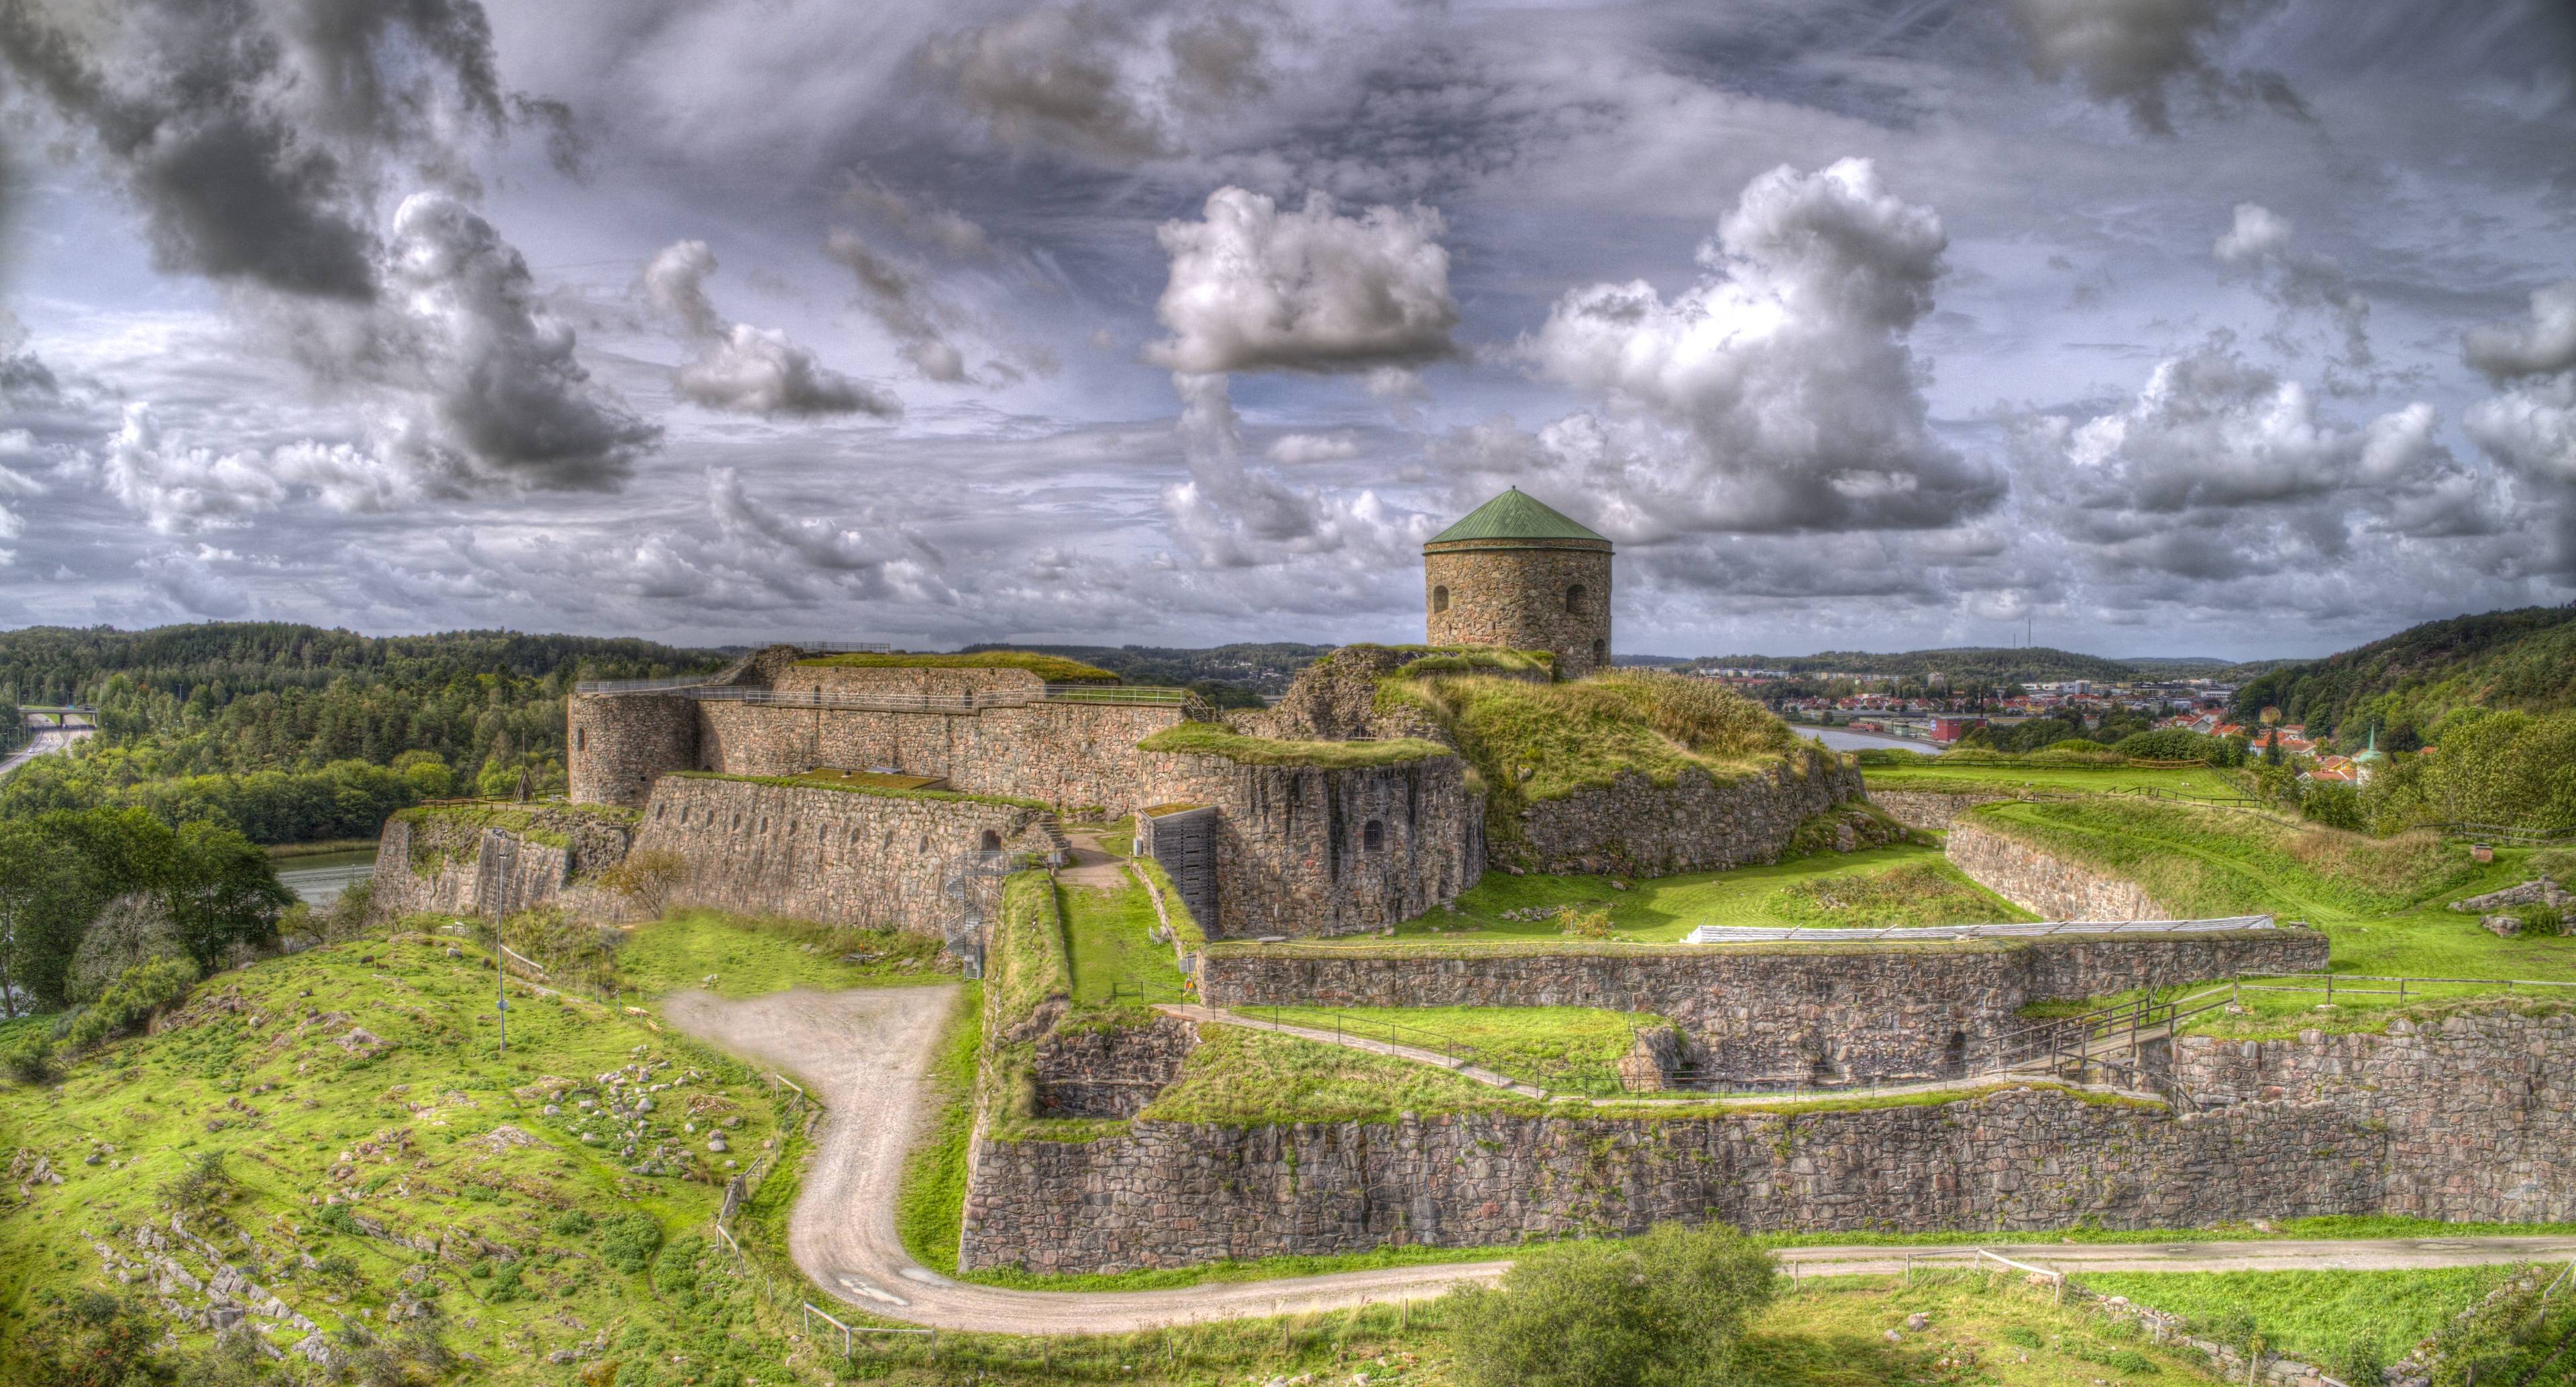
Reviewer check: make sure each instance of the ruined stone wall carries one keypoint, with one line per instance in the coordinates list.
(618, 743)
(460, 864)
(1638, 828)
(1109, 1071)
(2479, 1109)
(1292, 844)
(2047, 886)
(1927, 809)
(836, 856)
(1171, 1194)
(961, 685)
(1063, 753)
(1838, 1013)
(1513, 594)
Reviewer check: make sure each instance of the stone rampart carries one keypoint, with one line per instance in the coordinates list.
(1305, 850)
(621, 742)
(2047, 886)
(1063, 753)
(2468, 1119)
(1929, 810)
(2479, 1109)
(837, 856)
(1171, 1194)
(488, 863)
(1638, 828)
(1838, 1013)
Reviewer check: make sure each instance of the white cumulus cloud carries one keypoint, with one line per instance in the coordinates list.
(1256, 288)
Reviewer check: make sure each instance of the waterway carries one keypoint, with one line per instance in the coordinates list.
(319, 879)
(1843, 740)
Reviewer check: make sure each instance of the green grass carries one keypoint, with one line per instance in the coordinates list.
(749, 957)
(849, 784)
(2311, 1313)
(447, 1139)
(930, 1209)
(1113, 955)
(1663, 909)
(1215, 739)
(1939, 774)
(1561, 1049)
(2381, 902)
(1052, 668)
(1244, 1078)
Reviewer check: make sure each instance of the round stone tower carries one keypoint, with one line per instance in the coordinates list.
(1515, 573)
(620, 743)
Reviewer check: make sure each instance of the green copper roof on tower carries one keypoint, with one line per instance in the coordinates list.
(1515, 515)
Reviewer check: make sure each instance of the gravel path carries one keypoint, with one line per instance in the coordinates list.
(863, 1054)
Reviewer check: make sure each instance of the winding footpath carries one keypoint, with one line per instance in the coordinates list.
(863, 1054)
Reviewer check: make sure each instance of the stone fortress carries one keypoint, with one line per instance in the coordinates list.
(869, 787)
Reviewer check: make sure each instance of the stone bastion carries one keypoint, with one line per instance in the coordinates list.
(1791, 1012)
(2472, 1118)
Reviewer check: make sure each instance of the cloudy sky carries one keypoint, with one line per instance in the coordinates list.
(2230, 327)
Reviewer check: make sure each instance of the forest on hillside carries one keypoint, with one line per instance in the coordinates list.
(291, 733)
(2408, 683)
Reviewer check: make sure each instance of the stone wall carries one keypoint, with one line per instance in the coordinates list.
(1927, 809)
(462, 864)
(1838, 1013)
(1638, 828)
(2049, 887)
(1295, 850)
(2470, 1119)
(1170, 1194)
(1064, 753)
(837, 856)
(620, 742)
(1109, 1071)
(1513, 594)
(2479, 1109)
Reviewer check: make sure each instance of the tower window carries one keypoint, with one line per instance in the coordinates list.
(1574, 598)
(581, 739)
(1600, 653)
(1373, 836)
(1440, 599)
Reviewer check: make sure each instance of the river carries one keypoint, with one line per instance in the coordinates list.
(1842, 740)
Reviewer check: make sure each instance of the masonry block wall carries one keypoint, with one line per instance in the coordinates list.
(1838, 1013)
(2451, 1142)
(835, 856)
(1928, 809)
(2049, 887)
(457, 866)
(1522, 595)
(1639, 828)
(1302, 850)
(620, 742)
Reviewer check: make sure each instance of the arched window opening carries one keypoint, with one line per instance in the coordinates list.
(1373, 836)
(990, 842)
(1440, 599)
(925, 843)
(1600, 653)
(581, 739)
(1574, 598)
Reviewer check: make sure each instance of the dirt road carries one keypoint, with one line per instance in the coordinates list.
(863, 1054)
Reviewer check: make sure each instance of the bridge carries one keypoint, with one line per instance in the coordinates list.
(49, 730)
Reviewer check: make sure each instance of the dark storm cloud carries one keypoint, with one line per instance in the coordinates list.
(2143, 54)
(252, 135)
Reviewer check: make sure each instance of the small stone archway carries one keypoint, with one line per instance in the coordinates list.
(989, 841)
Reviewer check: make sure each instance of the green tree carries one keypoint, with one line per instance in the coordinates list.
(222, 892)
(46, 897)
(95, 1340)
(1662, 1310)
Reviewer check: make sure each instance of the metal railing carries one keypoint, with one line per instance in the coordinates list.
(2331, 983)
(1341, 1025)
(632, 686)
(1744, 934)
(964, 700)
(845, 647)
(2510, 833)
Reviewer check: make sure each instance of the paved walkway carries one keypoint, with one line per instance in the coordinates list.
(862, 1053)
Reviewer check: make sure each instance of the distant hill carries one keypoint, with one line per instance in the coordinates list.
(228, 659)
(1961, 664)
(2522, 659)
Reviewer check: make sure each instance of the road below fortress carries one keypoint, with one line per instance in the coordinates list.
(863, 1054)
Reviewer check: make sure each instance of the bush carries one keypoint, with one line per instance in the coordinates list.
(647, 878)
(30, 1061)
(571, 1223)
(94, 1340)
(1585, 924)
(2546, 921)
(2334, 805)
(630, 1242)
(346, 919)
(203, 1184)
(2169, 744)
(2355, 1359)
(336, 1218)
(131, 1002)
(1666, 1308)
(132, 930)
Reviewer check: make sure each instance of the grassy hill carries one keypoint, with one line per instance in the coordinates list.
(2523, 659)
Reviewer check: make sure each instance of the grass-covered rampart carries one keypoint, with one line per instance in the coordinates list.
(855, 785)
(1242, 748)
